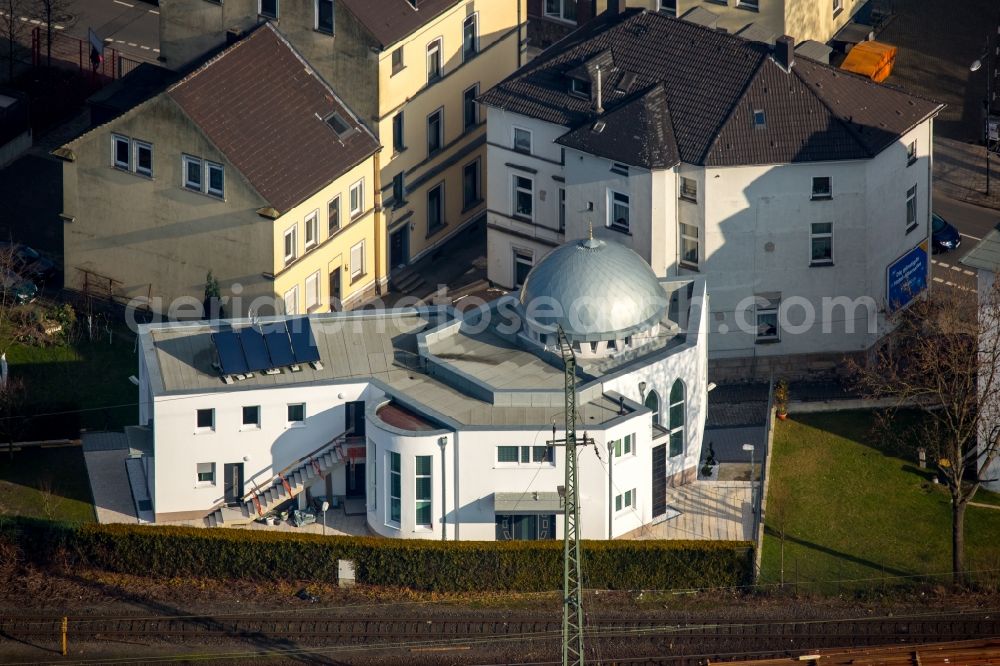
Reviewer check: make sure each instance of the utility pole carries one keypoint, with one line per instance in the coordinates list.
(572, 628)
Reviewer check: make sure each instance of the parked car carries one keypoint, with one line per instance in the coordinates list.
(944, 237)
(21, 290)
(28, 262)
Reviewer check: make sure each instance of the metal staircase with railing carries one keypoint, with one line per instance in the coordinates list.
(287, 484)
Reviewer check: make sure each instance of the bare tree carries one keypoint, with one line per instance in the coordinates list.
(12, 28)
(12, 400)
(943, 359)
(52, 12)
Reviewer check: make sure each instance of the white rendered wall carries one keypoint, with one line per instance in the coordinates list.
(179, 446)
(986, 291)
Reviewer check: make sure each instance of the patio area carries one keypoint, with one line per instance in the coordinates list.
(718, 510)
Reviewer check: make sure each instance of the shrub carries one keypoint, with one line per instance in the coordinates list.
(453, 566)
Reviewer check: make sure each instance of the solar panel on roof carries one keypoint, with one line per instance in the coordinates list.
(279, 348)
(303, 343)
(255, 350)
(231, 358)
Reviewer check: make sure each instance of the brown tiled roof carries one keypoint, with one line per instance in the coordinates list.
(391, 20)
(711, 84)
(264, 108)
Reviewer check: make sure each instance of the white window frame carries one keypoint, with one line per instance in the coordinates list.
(243, 423)
(390, 498)
(439, 112)
(466, 55)
(527, 456)
(820, 195)
(819, 235)
(466, 125)
(686, 193)
(561, 13)
(838, 6)
(340, 215)
(513, 140)
(136, 145)
(688, 238)
(911, 198)
(759, 119)
(514, 192)
(359, 189)
(189, 185)
(305, 415)
(417, 500)
(291, 296)
(580, 88)
(613, 201)
(277, 9)
(625, 446)
(198, 472)
(767, 310)
(119, 139)
(435, 48)
(524, 258)
(333, 17)
(292, 231)
(392, 61)
(311, 224)
(315, 299)
(356, 270)
(208, 428)
(625, 501)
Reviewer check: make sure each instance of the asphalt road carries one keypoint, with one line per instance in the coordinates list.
(973, 222)
(132, 27)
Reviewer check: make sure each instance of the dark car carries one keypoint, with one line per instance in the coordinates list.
(944, 237)
(27, 262)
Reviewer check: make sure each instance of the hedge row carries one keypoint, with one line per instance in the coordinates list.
(427, 565)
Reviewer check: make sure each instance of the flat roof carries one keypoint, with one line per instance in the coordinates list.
(379, 346)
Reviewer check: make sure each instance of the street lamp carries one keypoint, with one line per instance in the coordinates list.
(976, 65)
(323, 507)
(753, 504)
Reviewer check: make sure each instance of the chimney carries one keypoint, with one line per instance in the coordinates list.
(599, 106)
(784, 52)
(616, 7)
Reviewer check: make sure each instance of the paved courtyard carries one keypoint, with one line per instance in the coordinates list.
(707, 510)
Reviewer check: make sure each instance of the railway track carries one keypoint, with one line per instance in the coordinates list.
(689, 643)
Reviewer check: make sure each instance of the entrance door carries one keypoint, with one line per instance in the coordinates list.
(659, 480)
(335, 289)
(355, 419)
(233, 474)
(399, 247)
(356, 480)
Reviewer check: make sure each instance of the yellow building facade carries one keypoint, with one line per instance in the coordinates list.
(275, 196)
(412, 72)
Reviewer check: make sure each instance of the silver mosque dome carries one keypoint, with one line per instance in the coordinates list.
(595, 290)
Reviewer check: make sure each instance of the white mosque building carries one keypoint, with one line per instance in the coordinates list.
(437, 419)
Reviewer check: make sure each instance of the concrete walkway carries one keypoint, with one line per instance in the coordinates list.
(109, 486)
(708, 510)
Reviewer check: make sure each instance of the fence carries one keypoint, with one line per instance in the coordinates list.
(74, 53)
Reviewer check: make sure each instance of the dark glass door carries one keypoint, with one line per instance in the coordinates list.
(355, 420)
(233, 473)
(659, 480)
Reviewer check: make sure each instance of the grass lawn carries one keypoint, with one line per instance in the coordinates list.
(851, 512)
(82, 385)
(46, 483)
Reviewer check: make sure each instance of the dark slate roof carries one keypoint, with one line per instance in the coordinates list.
(712, 83)
(390, 20)
(261, 105)
(640, 128)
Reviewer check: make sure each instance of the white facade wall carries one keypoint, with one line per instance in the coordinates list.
(754, 225)
(541, 234)
(987, 294)
(179, 446)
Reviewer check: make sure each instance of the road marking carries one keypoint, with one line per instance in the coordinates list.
(975, 238)
(144, 48)
(132, 44)
(120, 41)
(940, 263)
(109, 39)
(36, 21)
(156, 50)
(119, 2)
(951, 284)
(153, 11)
(59, 27)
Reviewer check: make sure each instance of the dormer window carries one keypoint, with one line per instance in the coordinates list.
(759, 119)
(579, 88)
(337, 122)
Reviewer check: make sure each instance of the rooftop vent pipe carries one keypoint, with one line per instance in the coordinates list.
(599, 108)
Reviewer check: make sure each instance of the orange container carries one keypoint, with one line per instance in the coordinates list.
(871, 59)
